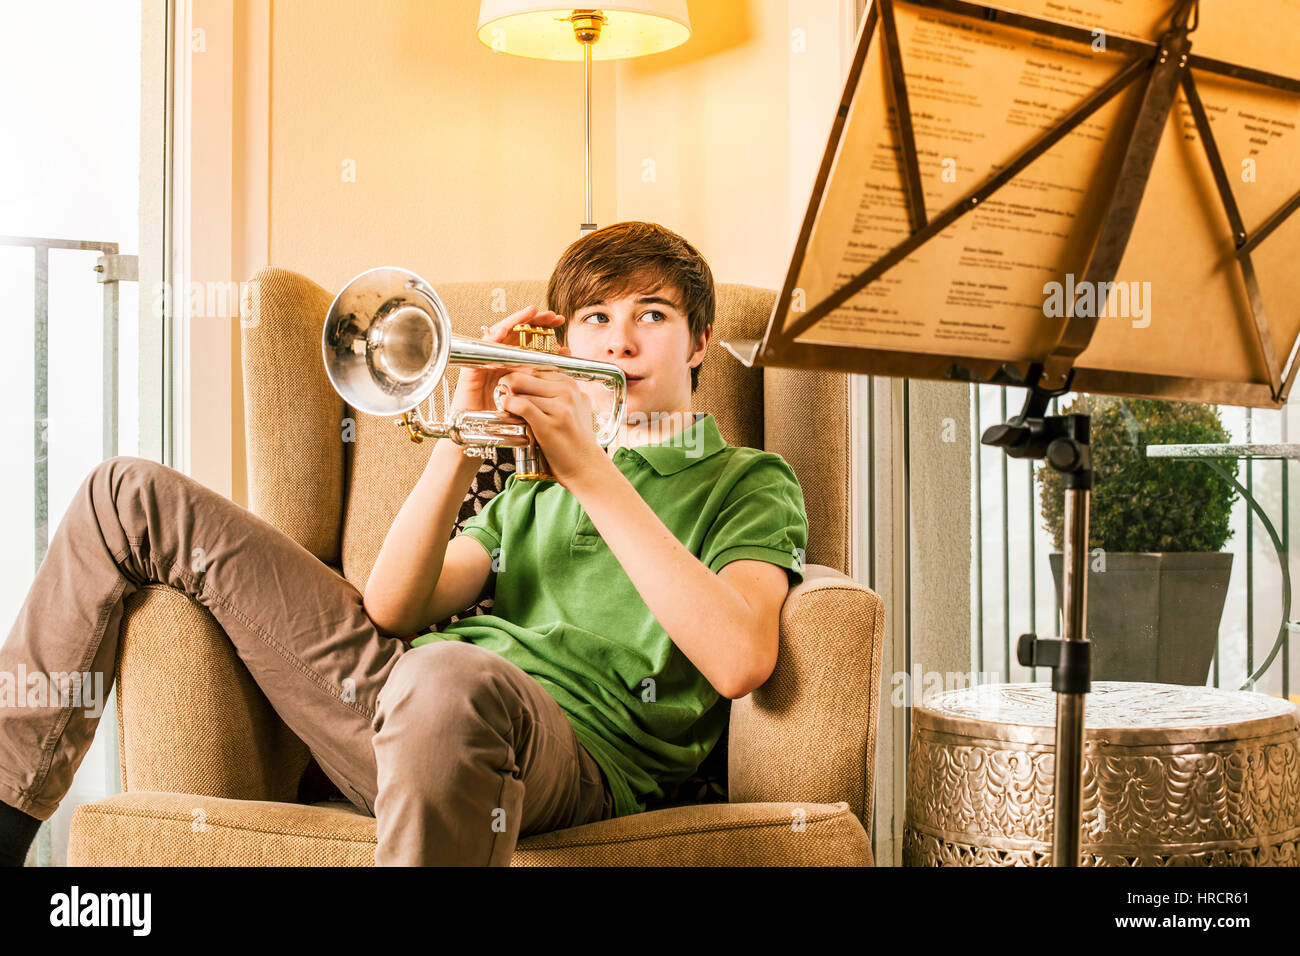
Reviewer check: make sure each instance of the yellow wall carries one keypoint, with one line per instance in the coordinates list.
(703, 139)
(469, 163)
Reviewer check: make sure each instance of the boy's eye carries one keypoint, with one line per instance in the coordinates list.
(601, 315)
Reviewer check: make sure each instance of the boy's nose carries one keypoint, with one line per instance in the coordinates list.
(621, 342)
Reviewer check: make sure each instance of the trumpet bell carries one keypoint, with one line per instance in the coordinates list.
(386, 341)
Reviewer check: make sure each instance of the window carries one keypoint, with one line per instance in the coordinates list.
(70, 241)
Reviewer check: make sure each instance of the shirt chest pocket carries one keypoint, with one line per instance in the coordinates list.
(585, 536)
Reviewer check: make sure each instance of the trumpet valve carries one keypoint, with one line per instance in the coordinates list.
(539, 338)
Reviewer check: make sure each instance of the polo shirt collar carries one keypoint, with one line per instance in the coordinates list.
(691, 445)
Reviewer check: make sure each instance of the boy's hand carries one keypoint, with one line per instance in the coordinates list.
(561, 417)
(475, 386)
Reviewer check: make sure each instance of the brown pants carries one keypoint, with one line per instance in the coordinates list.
(453, 749)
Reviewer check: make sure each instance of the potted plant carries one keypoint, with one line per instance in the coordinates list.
(1157, 579)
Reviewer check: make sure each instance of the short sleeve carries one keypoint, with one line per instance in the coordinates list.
(485, 527)
(762, 519)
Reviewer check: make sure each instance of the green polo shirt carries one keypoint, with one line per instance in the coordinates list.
(567, 613)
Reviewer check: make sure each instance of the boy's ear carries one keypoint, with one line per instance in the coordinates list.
(703, 340)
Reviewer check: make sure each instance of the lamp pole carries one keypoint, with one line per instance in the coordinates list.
(586, 29)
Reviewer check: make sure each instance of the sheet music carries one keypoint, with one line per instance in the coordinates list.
(979, 93)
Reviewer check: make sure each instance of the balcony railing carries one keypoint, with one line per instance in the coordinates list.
(110, 268)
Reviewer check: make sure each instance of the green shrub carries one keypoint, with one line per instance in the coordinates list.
(1140, 503)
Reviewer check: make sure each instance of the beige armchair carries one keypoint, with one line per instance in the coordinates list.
(212, 776)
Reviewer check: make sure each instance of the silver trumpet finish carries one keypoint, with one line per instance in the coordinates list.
(387, 343)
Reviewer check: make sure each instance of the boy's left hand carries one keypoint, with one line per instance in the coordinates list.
(561, 417)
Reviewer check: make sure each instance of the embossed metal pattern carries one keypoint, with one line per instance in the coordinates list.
(1172, 775)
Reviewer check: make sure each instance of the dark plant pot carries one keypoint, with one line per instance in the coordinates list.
(1154, 617)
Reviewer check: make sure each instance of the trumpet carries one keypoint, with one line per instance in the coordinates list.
(387, 344)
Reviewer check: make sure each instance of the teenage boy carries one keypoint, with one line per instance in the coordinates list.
(630, 595)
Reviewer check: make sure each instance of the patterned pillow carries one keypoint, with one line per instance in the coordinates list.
(487, 484)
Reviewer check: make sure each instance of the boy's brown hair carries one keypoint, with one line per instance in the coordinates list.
(630, 257)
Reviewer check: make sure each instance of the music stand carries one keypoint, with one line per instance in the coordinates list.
(1099, 154)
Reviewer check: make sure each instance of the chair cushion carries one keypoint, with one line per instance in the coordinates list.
(177, 829)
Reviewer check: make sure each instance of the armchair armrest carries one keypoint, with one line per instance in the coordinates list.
(190, 717)
(809, 733)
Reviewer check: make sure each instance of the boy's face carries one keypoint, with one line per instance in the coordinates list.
(647, 335)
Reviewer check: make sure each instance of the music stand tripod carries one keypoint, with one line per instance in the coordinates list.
(1063, 441)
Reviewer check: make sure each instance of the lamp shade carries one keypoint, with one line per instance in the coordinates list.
(543, 31)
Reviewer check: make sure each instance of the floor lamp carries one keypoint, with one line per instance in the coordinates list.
(614, 32)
